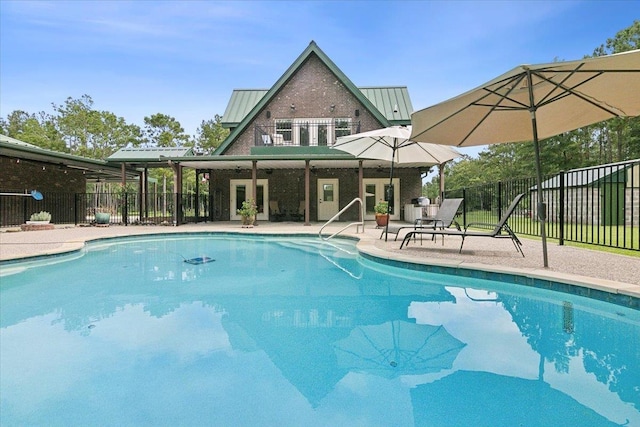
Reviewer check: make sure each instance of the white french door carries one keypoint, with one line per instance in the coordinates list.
(328, 198)
(242, 189)
(375, 190)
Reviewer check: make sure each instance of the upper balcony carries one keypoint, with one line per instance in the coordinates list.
(303, 132)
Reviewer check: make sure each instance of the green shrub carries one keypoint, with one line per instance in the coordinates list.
(41, 216)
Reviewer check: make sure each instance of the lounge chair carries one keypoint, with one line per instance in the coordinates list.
(442, 219)
(275, 212)
(501, 230)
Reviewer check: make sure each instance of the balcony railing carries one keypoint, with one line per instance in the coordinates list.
(302, 132)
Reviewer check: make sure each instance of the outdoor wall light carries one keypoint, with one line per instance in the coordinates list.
(293, 107)
(268, 114)
(237, 169)
(332, 107)
(269, 171)
(357, 113)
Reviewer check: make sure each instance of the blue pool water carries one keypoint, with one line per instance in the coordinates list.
(293, 331)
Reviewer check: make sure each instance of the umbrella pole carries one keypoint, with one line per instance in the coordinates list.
(541, 208)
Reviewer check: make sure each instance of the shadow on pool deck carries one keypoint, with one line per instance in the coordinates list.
(565, 262)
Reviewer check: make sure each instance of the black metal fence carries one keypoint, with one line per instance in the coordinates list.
(597, 205)
(123, 208)
(302, 132)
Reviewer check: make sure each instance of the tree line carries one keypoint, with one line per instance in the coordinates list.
(610, 141)
(76, 127)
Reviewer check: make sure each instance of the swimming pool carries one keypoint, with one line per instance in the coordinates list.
(294, 331)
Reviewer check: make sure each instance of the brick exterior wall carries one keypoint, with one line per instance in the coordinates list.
(48, 179)
(312, 89)
(287, 187)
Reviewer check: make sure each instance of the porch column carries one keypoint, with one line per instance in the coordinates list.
(145, 191)
(360, 188)
(307, 192)
(254, 185)
(197, 198)
(254, 177)
(177, 192)
(124, 202)
(142, 194)
(211, 200)
(123, 170)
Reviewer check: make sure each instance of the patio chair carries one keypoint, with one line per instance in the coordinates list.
(274, 211)
(501, 230)
(299, 215)
(444, 218)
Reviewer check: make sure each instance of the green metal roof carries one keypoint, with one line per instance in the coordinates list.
(242, 101)
(10, 140)
(146, 153)
(312, 49)
(299, 151)
(94, 168)
(392, 101)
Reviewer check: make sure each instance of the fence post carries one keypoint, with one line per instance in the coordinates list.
(499, 200)
(125, 211)
(75, 208)
(25, 216)
(561, 203)
(464, 207)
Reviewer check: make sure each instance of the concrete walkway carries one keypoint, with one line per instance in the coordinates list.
(591, 268)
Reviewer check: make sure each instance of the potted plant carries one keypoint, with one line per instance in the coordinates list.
(42, 217)
(102, 216)
(382, 213)
(248, 212)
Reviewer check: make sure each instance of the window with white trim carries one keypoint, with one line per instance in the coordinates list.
(284, 127)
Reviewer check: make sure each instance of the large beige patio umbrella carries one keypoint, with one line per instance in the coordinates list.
(533, 102)
(393, 144)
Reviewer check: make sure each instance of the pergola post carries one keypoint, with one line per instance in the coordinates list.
(307, 192)
(177, 192)
(360, 188)
(254, 186)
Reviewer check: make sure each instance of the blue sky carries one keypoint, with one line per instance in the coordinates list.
(184, 58)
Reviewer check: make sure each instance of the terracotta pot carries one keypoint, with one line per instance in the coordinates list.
(382, 219)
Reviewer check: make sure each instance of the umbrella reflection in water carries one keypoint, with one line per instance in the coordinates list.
(398, 348)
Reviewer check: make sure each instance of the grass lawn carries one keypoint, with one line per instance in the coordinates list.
(616, 239)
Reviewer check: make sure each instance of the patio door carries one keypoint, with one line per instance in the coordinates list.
(312, 132)
(242, 189)
(375, 190)
(328, 198)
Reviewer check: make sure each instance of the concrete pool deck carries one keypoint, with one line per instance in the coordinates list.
(567, 264)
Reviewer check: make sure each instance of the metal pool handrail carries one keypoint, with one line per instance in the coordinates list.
(336, 216)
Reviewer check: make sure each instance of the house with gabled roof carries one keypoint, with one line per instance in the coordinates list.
(284, 134)
(279, 153)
